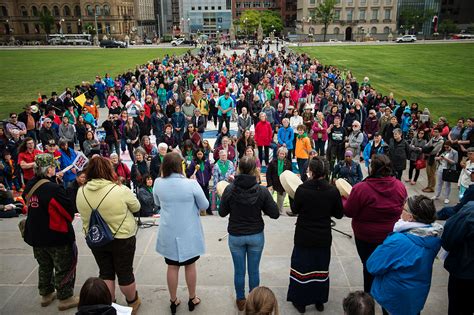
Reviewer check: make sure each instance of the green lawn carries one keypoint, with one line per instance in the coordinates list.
(437, 76)
(27, 72)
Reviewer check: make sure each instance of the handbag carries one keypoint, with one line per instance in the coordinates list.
(450, 175)
(22, 223)
(99, 233)
(420, 164)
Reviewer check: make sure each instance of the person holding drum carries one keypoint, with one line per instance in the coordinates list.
(309, 276)
(223, 170)
(244, 200)
(374, 205)
(276, 167)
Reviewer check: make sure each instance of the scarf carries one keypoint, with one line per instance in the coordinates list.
(223, 166)
(281, 166)
(201, 166)
(302, 136)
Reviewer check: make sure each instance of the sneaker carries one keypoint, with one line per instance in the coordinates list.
(320, 307)
(446, 201)
(428, 190)
(240, 304)
(434, 198)
(68, 303)
(48, 299)
(135, 305)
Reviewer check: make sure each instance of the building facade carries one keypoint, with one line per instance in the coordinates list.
(21, 18)
(164, 17)
(286, 8)
(428, 8)
(146, 19)
(211, 17)
(355, 20)
(459, 11)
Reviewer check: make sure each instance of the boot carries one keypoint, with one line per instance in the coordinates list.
(240, 304)
(135, 304)
(48, 299)
(68, 303)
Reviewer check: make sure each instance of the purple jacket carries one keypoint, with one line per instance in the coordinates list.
(202, 176)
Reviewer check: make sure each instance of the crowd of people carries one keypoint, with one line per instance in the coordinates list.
(292, 114)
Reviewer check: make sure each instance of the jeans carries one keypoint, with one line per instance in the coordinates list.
(398, 174)
(248, 247)
(301, 166)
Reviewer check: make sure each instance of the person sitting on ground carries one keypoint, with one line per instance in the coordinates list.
(402, 265)
(95, 298)
(8, 207)
(358, 303)
(261, 301)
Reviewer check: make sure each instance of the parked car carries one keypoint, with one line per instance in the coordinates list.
(406, 39)
(177, 42)
(463, 36)
(267, 40)
(333, 40)
(112, 44)
(147, 41)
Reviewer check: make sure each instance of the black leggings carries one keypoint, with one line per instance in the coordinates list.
(365, 249)
(410, 171)
(261, 150)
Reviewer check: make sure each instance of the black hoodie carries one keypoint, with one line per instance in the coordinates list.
(245, 200)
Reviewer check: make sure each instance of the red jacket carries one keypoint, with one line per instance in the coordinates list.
(323, 130)
(263, 133)
(374, 205)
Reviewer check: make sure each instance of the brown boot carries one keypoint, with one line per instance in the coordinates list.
(135, 305)
(68, 303)
(241, 304)
(48, 299)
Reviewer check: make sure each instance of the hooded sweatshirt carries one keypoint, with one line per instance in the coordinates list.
(116, 209)
(402, 267)
(245, 200)
(374, 205)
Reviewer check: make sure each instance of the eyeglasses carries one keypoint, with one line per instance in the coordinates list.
(13, 117)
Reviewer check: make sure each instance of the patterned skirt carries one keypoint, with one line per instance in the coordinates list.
(309, 275)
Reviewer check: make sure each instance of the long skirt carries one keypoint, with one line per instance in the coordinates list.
(309, 275)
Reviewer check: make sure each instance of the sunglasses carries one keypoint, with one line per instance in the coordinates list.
(13, 117)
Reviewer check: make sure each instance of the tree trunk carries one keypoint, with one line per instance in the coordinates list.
(325, 32)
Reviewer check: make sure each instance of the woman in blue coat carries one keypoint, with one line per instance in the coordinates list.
(180, 236)
(402, 265)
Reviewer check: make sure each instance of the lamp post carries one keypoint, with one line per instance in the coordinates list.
(79, 26)
(61, 26)
(96, 37)
(246, 28)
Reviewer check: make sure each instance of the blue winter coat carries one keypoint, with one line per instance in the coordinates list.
(368, 148)
(406, 120)
(65, 161)
(180, 236)
(178, 120)
(286, 136)
(402, 267)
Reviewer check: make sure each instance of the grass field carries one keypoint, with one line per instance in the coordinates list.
(27, 72)
(437, 76)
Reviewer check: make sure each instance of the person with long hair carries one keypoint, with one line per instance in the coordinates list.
(261, 301)
(180, 237)
(276, 167)
(95, 298)
(116, 204)
(309, 277)
(200, 169)
(244, 141)
(149, 148)
(244, 200)
(375, 205)
(402, 266)
(140, 168)
(145, 196)
(121, 170)
(132, 136)
(26, 158)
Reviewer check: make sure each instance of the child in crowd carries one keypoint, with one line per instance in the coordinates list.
(302, 148)
(10, 172)
(261, 301)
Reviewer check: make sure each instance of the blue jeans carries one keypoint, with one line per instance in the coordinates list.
(250, 247)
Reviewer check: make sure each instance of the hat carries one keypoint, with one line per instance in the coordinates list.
(43, 97)
(51, 142)
(45, 160)
(348, 153)
(77, 87)
(54, 94)
(291, 107)
(307, 106)
(34, 109)
(47, 119)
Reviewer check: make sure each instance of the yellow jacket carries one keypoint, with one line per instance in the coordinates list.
(203, 107)
(119, 205)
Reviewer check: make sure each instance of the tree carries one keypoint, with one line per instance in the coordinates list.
(90, 28)
(447, 27)
(250, 19)
(324, 13)
(415, 18)
(47, 21)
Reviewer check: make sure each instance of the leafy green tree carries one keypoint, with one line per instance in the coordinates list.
(250, 19)
(324, 14)
(415, 18)
(447, 27)
(47, 21)
(90, 28)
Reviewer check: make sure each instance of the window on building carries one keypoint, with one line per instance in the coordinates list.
(199, 8)
(206, 8)
(338, 1)
(375, 14)
(337, 15)
(256, 4)
(66, 11)
(37, 28)
(24, 11)
(213, 7)
(90, 10)
(312, 1)
(388, 13)
(375, 2)
(193, 8)
(388, 2)
(69, 28)
(56, 11)
(34, 11)
(4, 11)
(336, 31)
(363, 2)
(349, 15)
(100, 30)
(219, 8)
(373, 30)
(106, 9)
(322, 30)
(77, 11)
(26, 28)
(45, 9)
(350, 2)
(98, 10)
(362, 15)
(107, 28)
(386, 30)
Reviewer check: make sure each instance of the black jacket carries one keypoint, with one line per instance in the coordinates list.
(201, 125)
(316, 202)
(273, 180)
(50, 214)
(99, 309)
(398, 153)
(245, 200)
(155, 166)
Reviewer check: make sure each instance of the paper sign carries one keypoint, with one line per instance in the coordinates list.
(80, 161)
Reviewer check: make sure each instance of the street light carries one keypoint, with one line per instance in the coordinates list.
(61, 26)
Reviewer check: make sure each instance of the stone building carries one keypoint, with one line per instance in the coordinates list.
(114, 18)
(355, 20)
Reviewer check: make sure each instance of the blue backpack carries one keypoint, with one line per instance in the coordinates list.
(365, 141)
(99, 233)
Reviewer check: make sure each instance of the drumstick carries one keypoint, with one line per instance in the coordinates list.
(223, 237)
